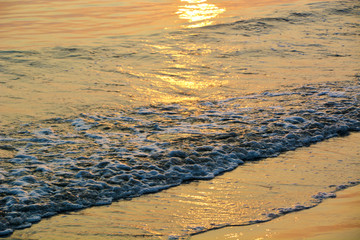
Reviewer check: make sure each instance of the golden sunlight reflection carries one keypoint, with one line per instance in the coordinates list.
(199, 11)
(180, 74)
(191, 84)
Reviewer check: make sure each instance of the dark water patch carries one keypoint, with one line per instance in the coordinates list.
(125, 55)
(354, 10)
(251, 26)
(337, 55)
(275, 19)
(353, 25)
(63, 53)
(19, 53)
(299, 14)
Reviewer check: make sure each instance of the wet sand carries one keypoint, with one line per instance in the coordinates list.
(337, 218)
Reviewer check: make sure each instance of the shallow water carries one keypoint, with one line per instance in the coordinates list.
(99, 114)
(332, 220)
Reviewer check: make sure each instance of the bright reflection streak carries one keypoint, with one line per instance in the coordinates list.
(182, 71)
(198, 11)
(194, 1)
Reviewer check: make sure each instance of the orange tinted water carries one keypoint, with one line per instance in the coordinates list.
(29, 24)
(75, 56)
(132, 54)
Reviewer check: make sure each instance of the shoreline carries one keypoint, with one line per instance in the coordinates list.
(232, 197)
(167, 117)
(337, 218)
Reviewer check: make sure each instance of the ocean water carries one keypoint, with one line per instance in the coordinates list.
(109, 100)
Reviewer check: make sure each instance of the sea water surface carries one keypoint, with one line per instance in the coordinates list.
(108, 100)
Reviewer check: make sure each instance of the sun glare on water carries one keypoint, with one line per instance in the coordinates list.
(199, 12)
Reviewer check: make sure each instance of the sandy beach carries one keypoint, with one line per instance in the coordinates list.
(334, 219)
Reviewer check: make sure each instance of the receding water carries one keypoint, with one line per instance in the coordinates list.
(108, 100)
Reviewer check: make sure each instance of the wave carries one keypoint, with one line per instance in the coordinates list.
(66, 164)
